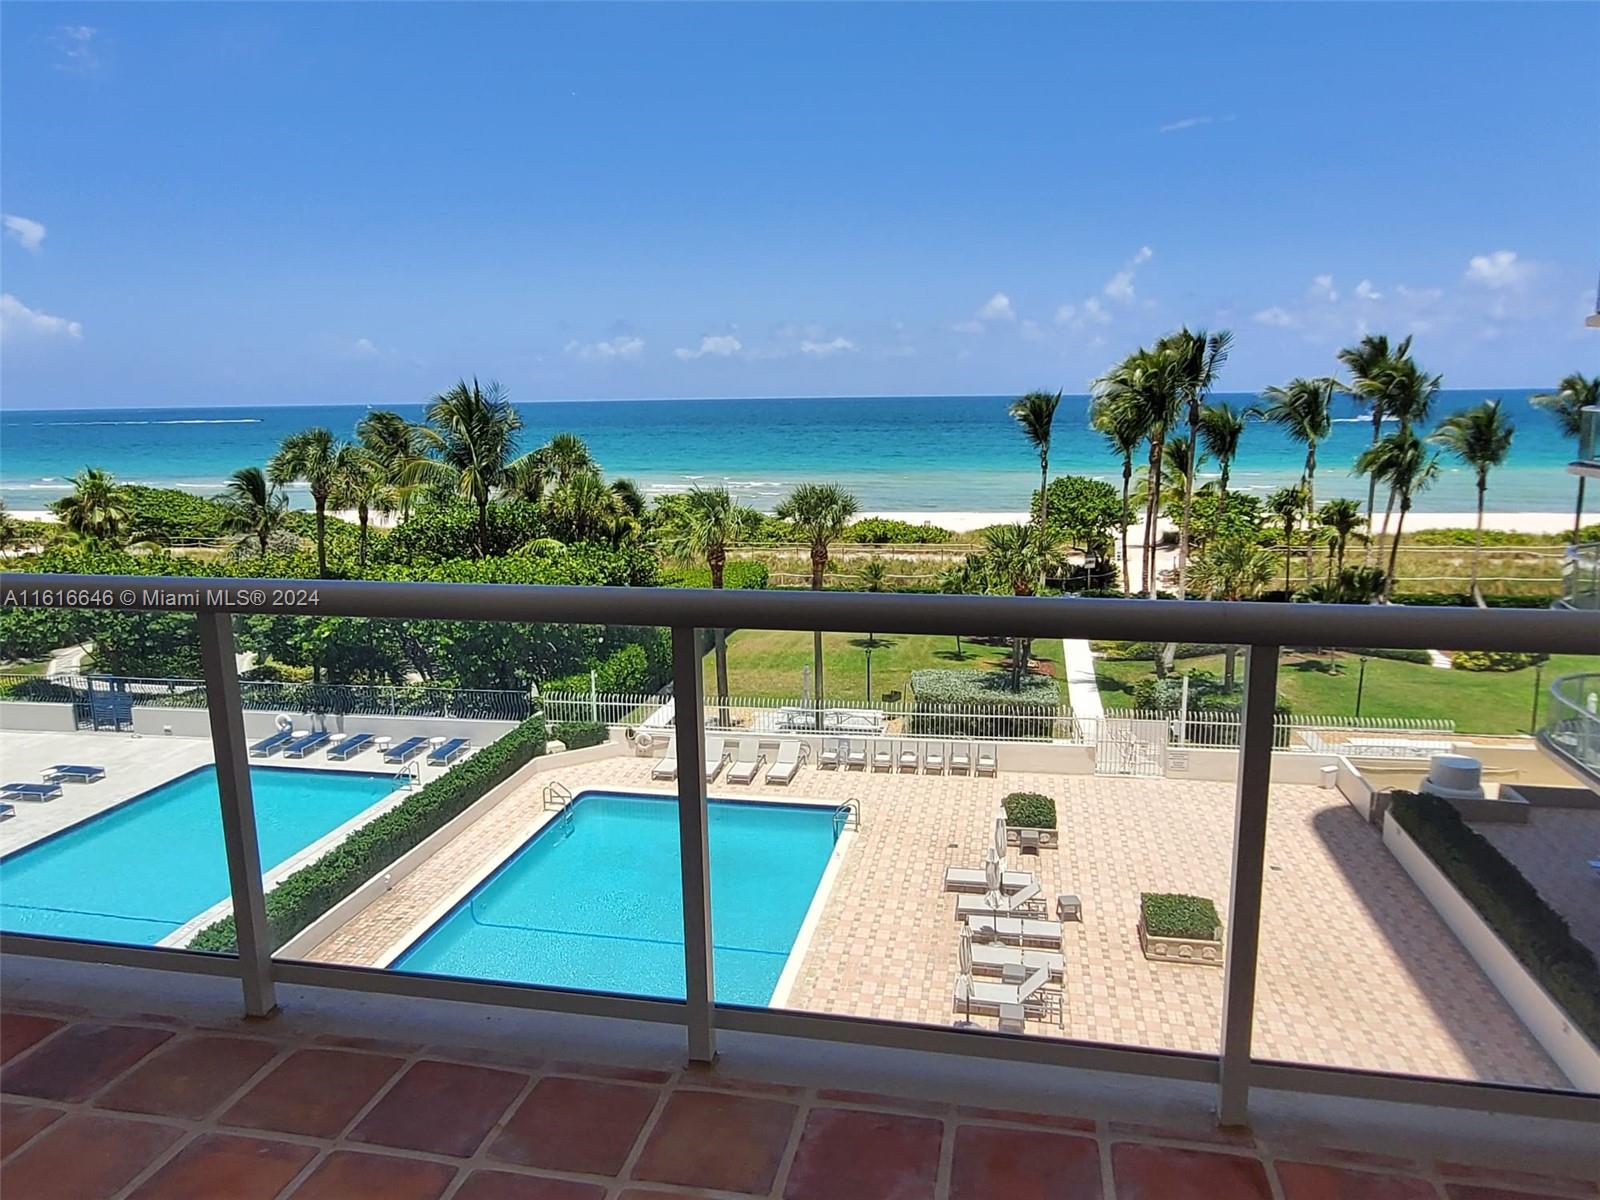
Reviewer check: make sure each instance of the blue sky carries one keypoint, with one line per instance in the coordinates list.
(288, 204)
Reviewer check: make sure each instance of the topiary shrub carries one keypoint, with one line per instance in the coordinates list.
(314, 889)
(575, 735)
(1495, 660)
(1176, 915)
(1029, 810)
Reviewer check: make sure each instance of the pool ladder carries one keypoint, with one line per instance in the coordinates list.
(557, 795)
(846, 816)
(410, 775)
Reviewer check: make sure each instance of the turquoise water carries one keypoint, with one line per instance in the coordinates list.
(136, 873)
(598, 905)
(896, 453)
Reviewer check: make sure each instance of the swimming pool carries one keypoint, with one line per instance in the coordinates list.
(595, 902)
(139, 871)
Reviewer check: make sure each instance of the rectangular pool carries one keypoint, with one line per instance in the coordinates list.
(595, 902)
(137, 872)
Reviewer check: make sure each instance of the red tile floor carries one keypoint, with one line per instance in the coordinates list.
(155, 1109)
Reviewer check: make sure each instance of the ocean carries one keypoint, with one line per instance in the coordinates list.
(896, 453)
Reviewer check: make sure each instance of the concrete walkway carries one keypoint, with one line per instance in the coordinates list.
(1082, 689)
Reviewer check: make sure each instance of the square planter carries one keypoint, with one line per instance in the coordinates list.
(1181, 950)
(1188, 913)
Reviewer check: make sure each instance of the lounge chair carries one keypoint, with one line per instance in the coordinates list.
(972, 879)
(1014, 904)
(855, 753)
(666, 767)
(268, 746)
(787, 763)
(406, 750)
(351, 746)
(1016, 930)
(832, 753)
(991, 958)
(933, 758)
(907, 758)
(30, 791)
(306, 743)
(7, 811)
(716, 755)
(747, 762)
(62, 772)
(984, 996)
(988, 758)
(961, 757)
(446, 752)
(882, 756)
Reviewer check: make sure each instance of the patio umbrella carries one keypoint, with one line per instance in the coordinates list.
(991, 881)
(1000, 835)
(964, 957)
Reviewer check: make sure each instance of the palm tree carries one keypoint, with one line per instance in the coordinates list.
(1234, 568)
(586, 510)
(1408, 393)
(1566, 404)
(1018, 556)
(704, 524)
(256, 506)
(1118, 424)
(873, 576)
(1221, 428)
(317, 458)
(1481, 438)
(1363, 361)
(394, 443)
(1340, 518)
(364, 484)
(1399, 460)
(475, 435)
(819, 513)
(1036, 413)
(11, 532)
(960, 579)
(1145, 384)
(554, 465)
(1288, 505)
(97, 509)
(1303, 409)
(1197, 362)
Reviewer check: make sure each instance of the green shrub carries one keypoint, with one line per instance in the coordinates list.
(1030, 810)
(314, 889)
(575, 735)
(271, 672)
(627, 670)
(1495, 660)
(35, 688)
(738, 573)
(1534, 932)
(1150, 651)
(1175, 915)
(1463, 600)
(877, 531)
(945, 700)
(167, 514)
(436, 533)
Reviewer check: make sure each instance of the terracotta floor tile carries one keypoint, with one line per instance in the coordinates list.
(1022, 1164)
(650, 1193)
(225, 1166)
(1167, 1173)
(1207, 1135)
(346, 1041)
(19, 1122)
(79, 1061)
(609, 1071)
(189, 1077)
(1310, 1181)
(86, 1158)
(503, 1185)
(443, 1108)
(312, 1092)
(1536, 1180)
(18, 1031)
(1047, 1120)
(1489, 1191)
(586, 1126)
(878, 1100)
(717, 1140)
(351, 1175)
(850, 1154)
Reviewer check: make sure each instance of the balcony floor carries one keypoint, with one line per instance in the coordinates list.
(455, 1102)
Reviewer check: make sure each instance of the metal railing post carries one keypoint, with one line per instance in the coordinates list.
(238, 811)
(1256, 732)
(689, 735)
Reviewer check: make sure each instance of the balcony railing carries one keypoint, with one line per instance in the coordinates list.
(1573, 731)
(1580, 578)
(1263, 629)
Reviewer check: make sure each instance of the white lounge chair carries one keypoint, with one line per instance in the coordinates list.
(992, 958)
(978, 995)
(988, 758)
(666, 767)
(1016, 930)
(716, 755)
(973, 879)
(961, 757)
(783, 767)
(832, 753)
(933, 758)
(855, 754)
(1014, 904)
(882, 756)
(907, 758)
(747, 762)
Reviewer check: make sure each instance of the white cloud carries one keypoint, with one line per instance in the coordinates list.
(1276, 317)
(29, 234)
(364, 348)
(968, 326)
(18, 321)
(716, 345)
(1065, 313)
(823, 349)
(1186, 123)
(76, 46)
(1143, 255)
(1365, 291)
(1095, 312)
(1501, 269)
(1322, 289)
(1120, 287)
(997, 308)
(623, 347)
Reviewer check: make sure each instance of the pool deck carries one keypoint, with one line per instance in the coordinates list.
(1356, 968)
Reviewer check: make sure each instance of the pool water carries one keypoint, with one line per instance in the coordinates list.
(595, 902)
(137, 872)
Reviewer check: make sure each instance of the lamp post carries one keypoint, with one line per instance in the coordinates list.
(871, 641)
(1533, 717)
(1361, 683)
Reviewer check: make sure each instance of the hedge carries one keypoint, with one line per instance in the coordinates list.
(1028, 713)
(36, 687)
(737, 573)
(1463, 600)
(1175, 915)
(1537, 935)
(1495, 660)
(575, 735)
(312, 890)
(1029, 810)
(1150, 651)
(880, 531)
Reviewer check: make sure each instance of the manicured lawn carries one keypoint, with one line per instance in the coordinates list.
(35, 667)
(767, 662)
(1477, 701)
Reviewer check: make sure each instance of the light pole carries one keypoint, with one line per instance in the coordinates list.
(871, 641)
(1533, 718)
(1361, 682)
